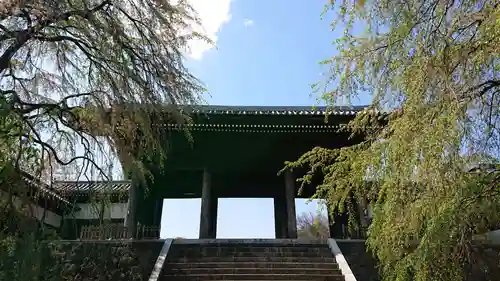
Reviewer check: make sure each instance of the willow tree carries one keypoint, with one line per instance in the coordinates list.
(432, 69)
(60, 58)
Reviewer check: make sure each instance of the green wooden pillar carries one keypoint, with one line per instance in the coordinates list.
(209, 204)
(290, 192)
(280, 215)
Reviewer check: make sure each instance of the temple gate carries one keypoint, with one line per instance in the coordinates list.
(236, 153)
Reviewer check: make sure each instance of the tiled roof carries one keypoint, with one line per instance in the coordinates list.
(272, 110)
(266, 110)
(43, 187)
(488, 168)
(257, 128)
(91, 186)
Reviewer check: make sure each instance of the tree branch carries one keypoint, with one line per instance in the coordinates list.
(25, 35)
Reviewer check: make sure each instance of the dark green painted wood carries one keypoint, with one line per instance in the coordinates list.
(242, 163)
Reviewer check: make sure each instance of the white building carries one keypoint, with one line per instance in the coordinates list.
(68, 207)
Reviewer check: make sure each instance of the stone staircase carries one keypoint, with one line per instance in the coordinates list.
(239, 260)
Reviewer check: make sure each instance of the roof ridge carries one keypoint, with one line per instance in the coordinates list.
(93, 186)
(262, 109)
(111, 181)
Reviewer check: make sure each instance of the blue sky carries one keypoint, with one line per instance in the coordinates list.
(267, 54)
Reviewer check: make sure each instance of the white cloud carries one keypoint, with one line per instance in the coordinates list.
(213, 14)
(248, 22)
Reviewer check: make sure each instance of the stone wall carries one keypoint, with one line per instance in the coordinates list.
(484, 265)
(362, 263)
(99, 260)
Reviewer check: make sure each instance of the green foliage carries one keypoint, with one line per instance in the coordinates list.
(94, 261)
(78, 59)
(434, 67)
(18, 258)
(69, 71)
(27, 259)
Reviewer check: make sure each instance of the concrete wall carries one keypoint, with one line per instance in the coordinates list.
(36, 211)
(492, 237)
(362, 263)
(50, 218)
(91, 211)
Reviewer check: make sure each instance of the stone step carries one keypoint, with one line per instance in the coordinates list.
(242, 244)
(251, 242)
(247, 259)
(250, 245)
(253, 264)
(248, 277)
(249, 248)
(249, 254)
(246, 271)
(265, 251)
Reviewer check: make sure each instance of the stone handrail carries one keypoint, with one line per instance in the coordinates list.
(341, 261)
(155, 273)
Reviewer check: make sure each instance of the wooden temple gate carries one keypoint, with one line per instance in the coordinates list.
(237, 153)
